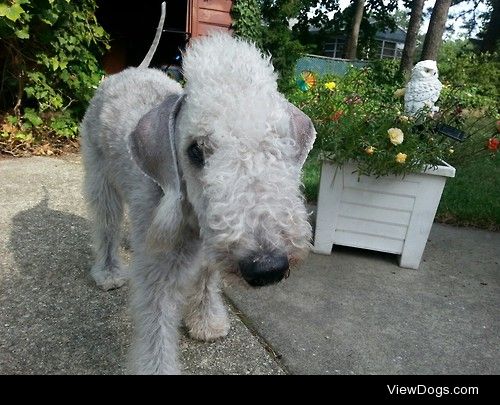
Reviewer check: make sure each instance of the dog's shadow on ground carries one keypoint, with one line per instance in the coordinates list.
(54, 319)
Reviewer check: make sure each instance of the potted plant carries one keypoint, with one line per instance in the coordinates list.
(383, 172)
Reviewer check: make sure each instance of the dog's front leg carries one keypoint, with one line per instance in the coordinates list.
(159, 283)
(206, 316)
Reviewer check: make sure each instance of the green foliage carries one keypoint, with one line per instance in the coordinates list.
(278, 39)
(476, 76)
(266, 22)
(33, 125)
(49, 53)
(385, 73)
(63, 125)
(354, 116)
(247, 20)
(285, 50)
(331, 22)
(311, 173)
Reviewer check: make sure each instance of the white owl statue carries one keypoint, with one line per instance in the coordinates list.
(423, 89)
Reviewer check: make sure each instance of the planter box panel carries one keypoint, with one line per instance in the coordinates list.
(377, 199)
(371, 227)
(385, 215)
(370, 242)
(406, 186)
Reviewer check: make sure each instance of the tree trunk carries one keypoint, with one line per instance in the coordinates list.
(352, 41)
(408, 55)
(435, 32)
(492, 35)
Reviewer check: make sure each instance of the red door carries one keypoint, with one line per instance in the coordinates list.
(207, 15)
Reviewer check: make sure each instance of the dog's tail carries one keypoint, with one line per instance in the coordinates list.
(152, 49)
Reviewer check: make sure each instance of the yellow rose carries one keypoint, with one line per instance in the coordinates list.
(396, 136)
(404, 118)
(370, 150)
(401, 157)
(451, 150)
(330, 86)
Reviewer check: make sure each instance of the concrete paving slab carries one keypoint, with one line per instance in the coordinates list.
(357, 312)
(53, 320)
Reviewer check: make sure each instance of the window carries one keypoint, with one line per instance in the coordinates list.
(387, 49)
(335, 49)
(390, 50)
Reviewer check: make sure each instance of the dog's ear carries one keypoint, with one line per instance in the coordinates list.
(153, 148)
(302, 131)
(153, 144)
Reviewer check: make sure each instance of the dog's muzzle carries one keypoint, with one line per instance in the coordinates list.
(264, 269)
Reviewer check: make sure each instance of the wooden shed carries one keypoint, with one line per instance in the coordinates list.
(132, 29)
(208, 14)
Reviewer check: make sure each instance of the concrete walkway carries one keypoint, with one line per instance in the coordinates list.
(349, 313)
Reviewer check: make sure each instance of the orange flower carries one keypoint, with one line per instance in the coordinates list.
(370, 150)
(336, 115)
(493, 144)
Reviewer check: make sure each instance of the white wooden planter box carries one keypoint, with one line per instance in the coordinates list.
(387, 214)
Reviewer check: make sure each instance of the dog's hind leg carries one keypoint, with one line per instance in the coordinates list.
(106, 208)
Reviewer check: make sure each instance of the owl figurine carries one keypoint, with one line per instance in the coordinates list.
(423, 89)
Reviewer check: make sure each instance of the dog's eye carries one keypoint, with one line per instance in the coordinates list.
(195, 154)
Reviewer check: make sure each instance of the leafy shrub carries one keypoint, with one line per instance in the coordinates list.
(35, 125)
(49, 52)
(476, 75)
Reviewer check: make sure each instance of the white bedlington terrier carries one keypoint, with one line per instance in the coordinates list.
(211, 175)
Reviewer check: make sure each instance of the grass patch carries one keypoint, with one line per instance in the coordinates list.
(310, 176)
(472, 198)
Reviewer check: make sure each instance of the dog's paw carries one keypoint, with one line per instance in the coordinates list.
(207, 328)
(109, 278)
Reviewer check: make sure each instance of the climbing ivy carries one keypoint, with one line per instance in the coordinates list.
(247, 20)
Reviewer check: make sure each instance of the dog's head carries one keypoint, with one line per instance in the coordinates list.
(239, 147)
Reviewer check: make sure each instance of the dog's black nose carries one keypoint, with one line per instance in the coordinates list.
(264, 269)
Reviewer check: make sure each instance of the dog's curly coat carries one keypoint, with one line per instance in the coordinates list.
(211, 176)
